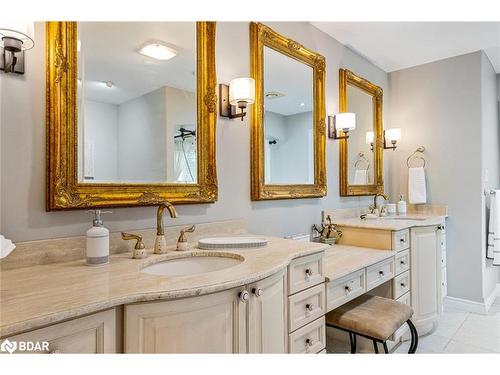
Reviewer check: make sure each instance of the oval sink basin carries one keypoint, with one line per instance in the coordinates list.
(192, 265)
(408, 218)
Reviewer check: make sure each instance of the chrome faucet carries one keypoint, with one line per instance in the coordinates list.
(160, 242)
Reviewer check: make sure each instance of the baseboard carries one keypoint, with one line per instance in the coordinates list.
(473, 306)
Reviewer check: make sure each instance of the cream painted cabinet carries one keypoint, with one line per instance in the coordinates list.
(426, 283)
(267, 320)
(213, 323)
(90, 334)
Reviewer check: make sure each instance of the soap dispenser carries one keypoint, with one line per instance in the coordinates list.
(97, 248)
(401, 205)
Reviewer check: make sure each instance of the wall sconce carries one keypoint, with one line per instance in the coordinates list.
(16, 37)
(369, 139)
(341, 121)
(393, 136)
(238, 94)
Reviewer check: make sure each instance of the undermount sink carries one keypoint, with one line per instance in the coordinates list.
(238, 242)
(403, 218)
(193, 264)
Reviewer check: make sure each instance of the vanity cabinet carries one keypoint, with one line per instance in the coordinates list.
(92, 334)
(249, 319)
(426, 276)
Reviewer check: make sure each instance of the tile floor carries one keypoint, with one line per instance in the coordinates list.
(457, 332)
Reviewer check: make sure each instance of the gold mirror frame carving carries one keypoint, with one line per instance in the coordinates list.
(63, 189)
(260, 36)
(346, 77)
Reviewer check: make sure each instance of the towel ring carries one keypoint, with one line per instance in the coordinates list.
(361, 159)
(416, 155)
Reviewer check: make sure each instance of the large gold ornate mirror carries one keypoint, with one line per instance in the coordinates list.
(288, 118)
(361, 155)
(131, 113)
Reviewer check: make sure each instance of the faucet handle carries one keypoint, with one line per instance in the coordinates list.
(182, 241)
(139, 248)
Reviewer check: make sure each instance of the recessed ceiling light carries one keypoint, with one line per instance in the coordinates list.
(302, 104)
(109, 84)
(158, 51)
(274, 95)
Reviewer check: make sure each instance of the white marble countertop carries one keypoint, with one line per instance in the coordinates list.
(391, 222)
(36, 296)
(341, 260)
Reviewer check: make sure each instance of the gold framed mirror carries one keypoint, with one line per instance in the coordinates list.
(361, 155)
(288, 118)
(119, 83)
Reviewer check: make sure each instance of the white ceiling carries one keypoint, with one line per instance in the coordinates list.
(398, 45)
(110, 52)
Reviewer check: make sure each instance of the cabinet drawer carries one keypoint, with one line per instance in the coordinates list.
(443, 241)
(405, 298)
(443, 258)
(444, 284)
(401, 284)
(305, 272)
(379, 273)
(401, 240)
(402, 262)
(309, 339)
(306, 306)
(345, 289)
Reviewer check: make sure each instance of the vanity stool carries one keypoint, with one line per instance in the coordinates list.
(375, 318)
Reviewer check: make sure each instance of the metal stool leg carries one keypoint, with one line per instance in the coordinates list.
(386, 350)
(352, 339)
(375, 347)
(414, 337)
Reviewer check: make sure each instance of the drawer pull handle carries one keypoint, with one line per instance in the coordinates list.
(309, 272)
(403, 285)
(244, 296)
(403, 263)
(309, 342)
(257, 291)
(347, 288)
(402, 240)
(309, 307)
(381, 273)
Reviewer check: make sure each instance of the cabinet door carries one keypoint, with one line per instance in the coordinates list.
(90, 334)
(213, 323)
(267, 319)
(426, 274)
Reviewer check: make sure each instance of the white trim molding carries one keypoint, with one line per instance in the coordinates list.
(473, 306)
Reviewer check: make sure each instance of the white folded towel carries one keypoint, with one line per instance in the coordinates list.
(493, 249)
(416, 185)
(6, 246)
(360, 177)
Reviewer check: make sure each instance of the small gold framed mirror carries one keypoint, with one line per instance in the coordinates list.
(131, 113)
(361, 154)
(288, 118)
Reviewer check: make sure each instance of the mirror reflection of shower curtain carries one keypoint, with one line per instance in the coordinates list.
(185, 160)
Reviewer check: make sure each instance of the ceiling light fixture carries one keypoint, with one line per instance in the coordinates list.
(158, 51)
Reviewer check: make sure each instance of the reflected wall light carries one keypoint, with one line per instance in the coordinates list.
(15, 38)
(238, 94)
(392, 136)
(369, 139)
(344, 122)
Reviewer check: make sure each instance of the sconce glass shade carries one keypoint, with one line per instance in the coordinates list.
(242, 90)
(17, 36)
(369, 138)
(345, 121)
(393, 135)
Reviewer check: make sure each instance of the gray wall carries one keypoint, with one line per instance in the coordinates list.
(491, 162)
(23, 149)
(438, 105)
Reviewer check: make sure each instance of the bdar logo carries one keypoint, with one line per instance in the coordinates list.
(8, 346)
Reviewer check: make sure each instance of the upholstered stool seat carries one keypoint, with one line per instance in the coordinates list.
(373, 317)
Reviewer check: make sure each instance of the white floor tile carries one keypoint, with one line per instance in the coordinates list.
(432, 343)
(460, 347)
(481, 330)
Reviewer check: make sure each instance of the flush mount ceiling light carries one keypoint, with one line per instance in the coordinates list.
(15, 38)
(273, 95)
(158, 51)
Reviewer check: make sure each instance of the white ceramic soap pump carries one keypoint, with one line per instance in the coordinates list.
(160, 242)
(97, 244)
